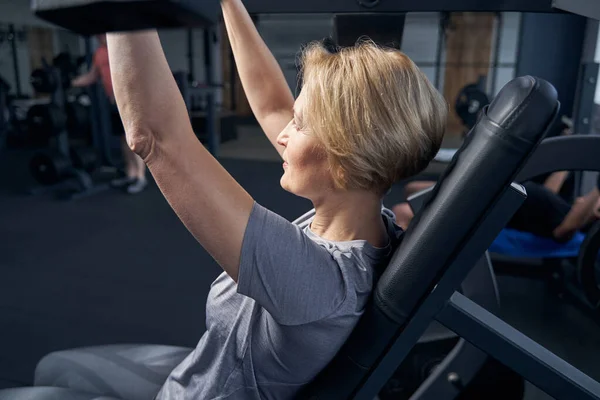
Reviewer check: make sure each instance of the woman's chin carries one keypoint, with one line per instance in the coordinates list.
(284, 184)
(289, 188)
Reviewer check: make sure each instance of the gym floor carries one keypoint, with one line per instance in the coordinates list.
(115, 268)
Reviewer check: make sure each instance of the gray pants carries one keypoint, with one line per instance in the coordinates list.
(123, 372)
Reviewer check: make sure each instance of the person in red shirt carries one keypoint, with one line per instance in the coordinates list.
(135, 168)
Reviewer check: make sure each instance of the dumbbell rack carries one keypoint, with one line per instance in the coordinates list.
(73, 183)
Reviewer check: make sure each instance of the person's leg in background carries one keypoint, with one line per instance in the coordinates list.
(546, 214)
(542, 213)
(555, 181)
(129, 166)
(140, 181)
(582, 214)
(135, 169)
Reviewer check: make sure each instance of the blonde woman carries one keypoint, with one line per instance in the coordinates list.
(290, 293)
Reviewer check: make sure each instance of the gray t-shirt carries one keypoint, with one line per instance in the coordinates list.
(297, 299)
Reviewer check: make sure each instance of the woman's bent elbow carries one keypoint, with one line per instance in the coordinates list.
(141, 142)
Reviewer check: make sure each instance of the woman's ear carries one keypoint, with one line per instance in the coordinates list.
(339, 177)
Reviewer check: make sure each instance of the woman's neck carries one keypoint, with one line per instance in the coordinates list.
(354, 215)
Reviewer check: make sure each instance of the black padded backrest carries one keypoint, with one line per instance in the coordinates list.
(485, 166)
(497, 148)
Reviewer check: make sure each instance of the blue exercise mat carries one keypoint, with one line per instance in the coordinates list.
(515, 243)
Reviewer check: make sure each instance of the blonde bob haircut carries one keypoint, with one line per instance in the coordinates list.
(373, 110)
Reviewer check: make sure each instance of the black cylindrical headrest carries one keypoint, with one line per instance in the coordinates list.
(518, 96)
(482, 169)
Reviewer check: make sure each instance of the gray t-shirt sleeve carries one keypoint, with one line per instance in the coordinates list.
(295, 279)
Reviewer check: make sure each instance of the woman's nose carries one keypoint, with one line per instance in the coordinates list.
(282, 139)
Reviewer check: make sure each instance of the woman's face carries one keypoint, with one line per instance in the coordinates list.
(305, 166)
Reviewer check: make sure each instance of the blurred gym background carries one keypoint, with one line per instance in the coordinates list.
(83, 264)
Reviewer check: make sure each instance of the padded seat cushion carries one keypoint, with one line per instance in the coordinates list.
(519, 244)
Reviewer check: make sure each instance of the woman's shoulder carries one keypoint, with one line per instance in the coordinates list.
(350, 251)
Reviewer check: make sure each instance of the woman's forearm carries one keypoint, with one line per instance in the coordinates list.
(556, 180)
(261, 75)
(147, 95)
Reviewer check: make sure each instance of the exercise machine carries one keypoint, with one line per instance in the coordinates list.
(571, 269)
(210, 125)
(64, 169)
(93, 16)
(575, 271)
(471, 100)
(464, 213)
(420, 286)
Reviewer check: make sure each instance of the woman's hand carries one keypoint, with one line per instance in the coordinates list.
(86, 79)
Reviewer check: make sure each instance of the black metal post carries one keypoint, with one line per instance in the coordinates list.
(12, 38)
(59, 98)
(498, 43)
(512, 348)
(211, 127)
(191, 67)
(89, 52)
(232, 80)
(444, 19)
(97, 138)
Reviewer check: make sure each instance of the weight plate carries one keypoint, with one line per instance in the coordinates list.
(42, 81)
(45, 120)
(85, 158)
(587, 262)
(49, 168)
(469, 103)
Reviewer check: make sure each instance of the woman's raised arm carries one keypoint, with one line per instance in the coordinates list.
(265, 86)
(211, 204)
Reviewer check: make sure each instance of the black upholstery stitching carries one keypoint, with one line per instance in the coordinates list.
(521, 107)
